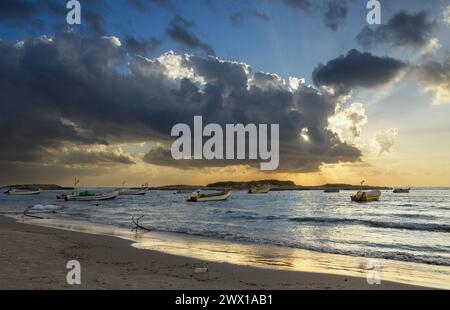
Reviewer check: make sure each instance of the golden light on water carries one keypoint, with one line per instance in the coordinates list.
(265, 256)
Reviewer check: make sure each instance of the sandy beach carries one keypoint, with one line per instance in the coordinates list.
(35, 257)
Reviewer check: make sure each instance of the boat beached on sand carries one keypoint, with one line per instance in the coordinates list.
(87, 196)
(22, 192)
(198, 196)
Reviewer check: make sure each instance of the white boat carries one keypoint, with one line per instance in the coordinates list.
(132, 192)
(88, 196)
(366, 196)
(21, 192)
(198, 196)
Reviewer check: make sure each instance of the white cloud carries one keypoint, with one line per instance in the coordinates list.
(295, 83)
(446, 14)
(92, 156)
(347, 123)
(170, 64)
(114, 40)
(439, 93)
(435, 80)
(385, 140)
(304, 134)
(432, 46)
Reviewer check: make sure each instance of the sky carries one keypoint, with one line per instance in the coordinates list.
(97, 101)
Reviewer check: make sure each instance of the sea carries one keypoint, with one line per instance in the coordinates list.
(410, 228)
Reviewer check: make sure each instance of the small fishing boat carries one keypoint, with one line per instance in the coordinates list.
(366, 196)
(332, 190)
(87, 196)
(401, 190)
(259, 190)
(132, 192)
(198, 196)
(22, 192)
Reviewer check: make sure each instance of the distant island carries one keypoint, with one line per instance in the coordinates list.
(48, 187)
(275, 185)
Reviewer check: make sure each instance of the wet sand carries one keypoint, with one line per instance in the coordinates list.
(35, 257)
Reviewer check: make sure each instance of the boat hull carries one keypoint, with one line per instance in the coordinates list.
(363, 196)
(97, 197)
(401, 190)
(332, 190)
(22, 193)
(132, 192)
(215, 197)
(258, 190)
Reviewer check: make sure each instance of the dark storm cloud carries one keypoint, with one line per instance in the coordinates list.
(435, 79)
(142, 47)
(29, 73)
(17, 12)
(35, 173)
(402, 29)
(357, 69)
(179, 30)
(76, 157)
(95, 22)
(20, 13)
(162, 157)
(436, 73)
(25, 12)
(333, 12)
(67, 93)
(144, 5)
(237, 18)
(299, 4)
(229, 97)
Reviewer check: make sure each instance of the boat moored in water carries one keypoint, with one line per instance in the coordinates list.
(87, 196)
(132, 192)
(198, 196)
(259, 190)
(332, 190)
(401, 190)
(366, 196)
(22, 192)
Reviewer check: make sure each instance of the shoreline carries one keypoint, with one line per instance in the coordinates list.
(35, 257)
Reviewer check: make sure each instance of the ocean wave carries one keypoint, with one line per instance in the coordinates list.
(405, 256)
(415, 216)
(391, 225)
(251, 215)
(442, 208)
